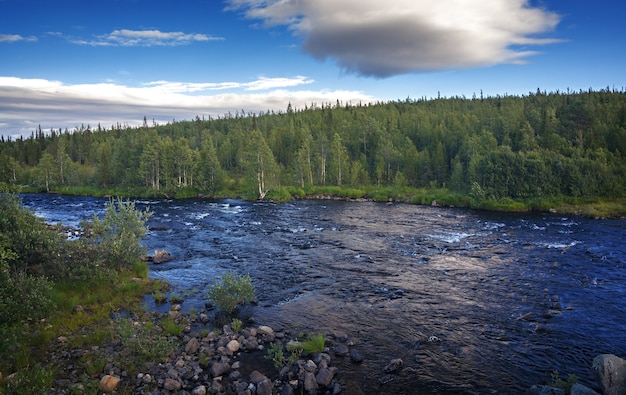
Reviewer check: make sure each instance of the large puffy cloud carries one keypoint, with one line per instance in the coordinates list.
(27, 103)
(384, 38)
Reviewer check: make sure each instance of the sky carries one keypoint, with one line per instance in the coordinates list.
(71, 63)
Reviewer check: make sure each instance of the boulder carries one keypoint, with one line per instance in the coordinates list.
(161, 256)
(545, 390)
(579, 389)
(610, 371)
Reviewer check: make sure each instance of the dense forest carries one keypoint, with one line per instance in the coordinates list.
(533, 146)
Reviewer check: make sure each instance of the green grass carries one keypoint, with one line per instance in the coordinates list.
(314, 344)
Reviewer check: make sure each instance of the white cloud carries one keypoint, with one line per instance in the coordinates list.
(384, 38)
(27, 103)
(146, 38)
(11, 38)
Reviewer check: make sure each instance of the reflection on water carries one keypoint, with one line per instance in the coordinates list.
(472, 302)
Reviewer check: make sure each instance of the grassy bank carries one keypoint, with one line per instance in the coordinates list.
(594, 207)
(86, 316)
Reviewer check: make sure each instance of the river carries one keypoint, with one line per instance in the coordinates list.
(472, 302)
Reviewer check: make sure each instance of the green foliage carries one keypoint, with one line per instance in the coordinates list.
(236, 325)
(565, 385)
(118, 235)
(171, 327)
(23, 297)
(33, 380)
(537, 146)
(314, 344)
(280, 357)
(145, 343)
(231, 291)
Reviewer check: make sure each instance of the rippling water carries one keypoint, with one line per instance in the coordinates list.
(472, 302)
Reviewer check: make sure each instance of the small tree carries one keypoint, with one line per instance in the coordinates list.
(119, 233)
(232, 291)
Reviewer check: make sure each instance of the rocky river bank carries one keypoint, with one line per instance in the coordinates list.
(241, 360)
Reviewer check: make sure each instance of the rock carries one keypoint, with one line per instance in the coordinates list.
(147, 379)
(356, 356)
(610, 371)
(310, 384)
(108, 383)
(324, 377)
(199, 390)
(544, 390)
(579, 389)
(192, 346)
(172, 385)
(161, 256)
(233, 346)
(218, 369)
(341, 350)
(256, 377)
(265, 330)
(264, 387)
(393, 366)
(310, 366)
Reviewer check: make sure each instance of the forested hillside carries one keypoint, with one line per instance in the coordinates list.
(535, 146)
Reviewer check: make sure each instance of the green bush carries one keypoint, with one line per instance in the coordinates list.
(117, 236)
(314, 344)
(231, 291)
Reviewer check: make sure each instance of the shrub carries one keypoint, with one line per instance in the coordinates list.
(232, 291)
(119, 233)
(314, 344)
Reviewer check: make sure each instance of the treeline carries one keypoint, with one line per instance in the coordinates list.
(532, 146)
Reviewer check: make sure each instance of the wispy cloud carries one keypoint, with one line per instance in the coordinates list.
(145, 38)
(11, 38)
(381, 39)
(262, 83)
(26, 103)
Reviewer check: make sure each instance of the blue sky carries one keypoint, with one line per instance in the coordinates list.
(64, 63)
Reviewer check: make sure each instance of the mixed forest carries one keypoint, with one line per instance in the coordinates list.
(533, 147)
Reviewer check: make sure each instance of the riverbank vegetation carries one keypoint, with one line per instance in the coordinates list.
(54, 290)
(541, 151)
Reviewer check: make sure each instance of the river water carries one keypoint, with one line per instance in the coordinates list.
(472, 302)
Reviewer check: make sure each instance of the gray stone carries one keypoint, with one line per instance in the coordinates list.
(356, 356)
(544, 390)
(579, 389)
(256, 377)
(264, 387)
(324, 377)
(218, 368)
(199, 390)
(171, 384)
(393, 366)
(310, 384)
(192, 346)
(341, 350)
(610, 371)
